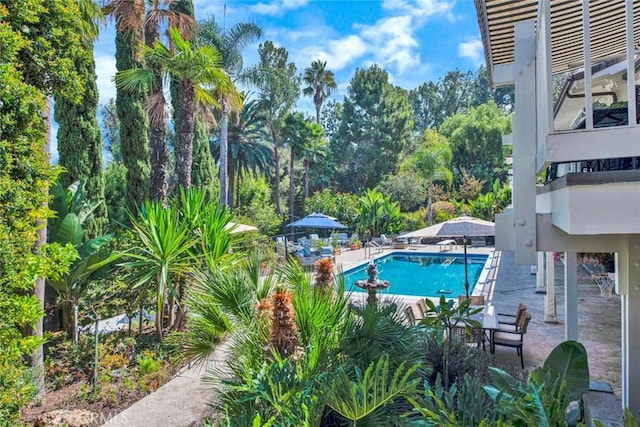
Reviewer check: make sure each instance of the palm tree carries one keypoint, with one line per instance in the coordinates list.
(230, 44)
(247, 147)
(319, 82)
(294, 137)
(196, 70)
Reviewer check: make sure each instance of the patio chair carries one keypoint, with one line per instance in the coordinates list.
(514, 339)
(313, 237)
(422, 306)
(475, 299)
(511, 322)
(408, 314)
(473, 337)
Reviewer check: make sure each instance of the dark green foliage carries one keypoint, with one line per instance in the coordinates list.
(79, 142)
(203, 170)
(375, 126)
(256, 204)
(433, 102)
(134, 139)
(407, 188)
(476, 143)
(39, 48)
(115, 189)
(343, 206)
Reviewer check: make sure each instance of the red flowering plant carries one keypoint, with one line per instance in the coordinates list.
(597, 261)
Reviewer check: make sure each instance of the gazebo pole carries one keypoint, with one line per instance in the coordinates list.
(466, 273)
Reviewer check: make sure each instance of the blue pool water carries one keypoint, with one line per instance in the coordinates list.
(423, 274)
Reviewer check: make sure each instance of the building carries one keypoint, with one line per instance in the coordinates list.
(576, 176)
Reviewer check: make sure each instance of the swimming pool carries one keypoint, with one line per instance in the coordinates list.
(421, 274)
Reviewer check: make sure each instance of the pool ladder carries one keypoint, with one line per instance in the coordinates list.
(367, 249)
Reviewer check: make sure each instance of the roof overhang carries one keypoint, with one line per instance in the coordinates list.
(497, 18)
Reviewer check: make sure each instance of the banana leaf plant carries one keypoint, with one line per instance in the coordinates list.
(94, 258)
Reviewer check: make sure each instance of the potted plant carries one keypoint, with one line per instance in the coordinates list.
(355, 244)
(337, 250)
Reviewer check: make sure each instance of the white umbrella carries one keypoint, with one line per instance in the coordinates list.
(462, 226)
(239, 228)
(457, 227)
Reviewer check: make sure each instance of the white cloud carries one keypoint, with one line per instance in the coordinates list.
(421, 8)
(473, 51)
(277, 7)
(105, 70)
(392, 42)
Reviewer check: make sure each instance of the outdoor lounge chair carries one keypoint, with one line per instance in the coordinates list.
(384, 240)
(401, 243)
(514, 339)
(327, 252)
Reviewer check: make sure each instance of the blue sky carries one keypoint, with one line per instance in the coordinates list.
(413, 40)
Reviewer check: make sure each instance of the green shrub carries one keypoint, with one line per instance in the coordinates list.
(443, 211)
(413, 220)
(147, 365)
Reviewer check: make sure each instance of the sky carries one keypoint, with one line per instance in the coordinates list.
(413, 40)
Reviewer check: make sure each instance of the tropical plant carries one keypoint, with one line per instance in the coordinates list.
(448, 316)
(230, 45)
(319, 82)
(162, 252)
(94, 257)
(360, 397)
(378, 214)
(541, 401)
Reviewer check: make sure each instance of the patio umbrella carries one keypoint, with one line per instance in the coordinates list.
(239, 228)
(317, 220)
(462, 226)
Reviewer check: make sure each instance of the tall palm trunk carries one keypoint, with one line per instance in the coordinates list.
(292, 159)
(317, 100)
(224, 152)
(157, 133)
(231, 168)
(306, 178)
(185, 126)
(276, 161)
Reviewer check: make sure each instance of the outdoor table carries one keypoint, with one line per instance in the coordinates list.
(488, 317)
